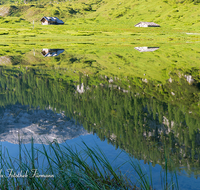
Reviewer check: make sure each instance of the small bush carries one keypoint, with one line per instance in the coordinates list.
(4, 33)
(56, 12)
(87, 8)
(39, 6)
(72, 11)
(50, 5)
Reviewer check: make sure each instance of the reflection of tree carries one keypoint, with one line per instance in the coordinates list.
(145, 121)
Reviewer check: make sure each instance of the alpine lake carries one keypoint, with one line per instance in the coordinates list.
(139, 100)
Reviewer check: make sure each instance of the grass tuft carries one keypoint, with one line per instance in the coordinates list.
(88, 168)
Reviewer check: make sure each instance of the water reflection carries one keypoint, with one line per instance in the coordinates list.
(51, 52)
(42, 125)
(5, 60)
(150, 119)
(147, 121)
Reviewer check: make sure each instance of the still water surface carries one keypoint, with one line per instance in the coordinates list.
(150, 115)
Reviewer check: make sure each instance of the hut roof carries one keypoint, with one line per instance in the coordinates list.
(149, 24)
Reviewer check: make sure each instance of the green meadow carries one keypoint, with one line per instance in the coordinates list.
(100, 36)
(105, 21)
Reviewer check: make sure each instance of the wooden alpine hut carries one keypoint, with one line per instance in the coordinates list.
(51, 20)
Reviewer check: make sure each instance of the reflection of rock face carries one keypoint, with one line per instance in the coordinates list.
(80, 88)
(146, 49)
(4, 11)
(5, 60)
(145, 80)
(189, 79)
(42, 125)
(51, 52)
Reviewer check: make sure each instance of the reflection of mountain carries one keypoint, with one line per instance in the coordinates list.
(5, 60)
(148, 129)
(42, 125)
(146, 49)
(80, 88)
(51, 52)
(133, 121)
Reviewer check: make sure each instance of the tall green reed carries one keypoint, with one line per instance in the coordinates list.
(72, 168)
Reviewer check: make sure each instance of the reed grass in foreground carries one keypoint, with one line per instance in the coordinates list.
(68, 168)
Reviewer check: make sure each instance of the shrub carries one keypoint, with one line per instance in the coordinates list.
(56, 12)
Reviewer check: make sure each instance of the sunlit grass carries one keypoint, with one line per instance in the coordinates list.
(102, 20)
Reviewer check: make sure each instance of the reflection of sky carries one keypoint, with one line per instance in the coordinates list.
(93, 140)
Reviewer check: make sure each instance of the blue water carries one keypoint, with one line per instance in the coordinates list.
(92, 141)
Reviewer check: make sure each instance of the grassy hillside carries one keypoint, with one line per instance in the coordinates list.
(110, 15)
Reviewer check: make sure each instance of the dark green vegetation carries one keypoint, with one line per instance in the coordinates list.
(148, 111)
